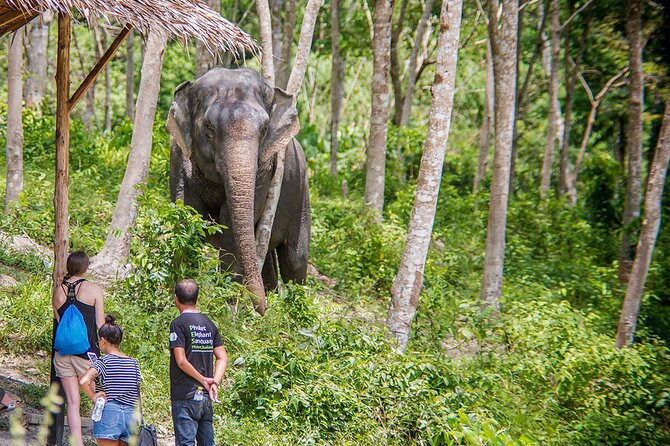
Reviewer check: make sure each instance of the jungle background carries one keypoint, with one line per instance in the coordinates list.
(320, 367)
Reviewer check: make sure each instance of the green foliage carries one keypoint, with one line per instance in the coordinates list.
(172, 247)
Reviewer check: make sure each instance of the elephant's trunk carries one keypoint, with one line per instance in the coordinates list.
(241, 179)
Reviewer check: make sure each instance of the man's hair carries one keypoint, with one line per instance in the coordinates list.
(77, 263)
(187, 292)
(110, 331)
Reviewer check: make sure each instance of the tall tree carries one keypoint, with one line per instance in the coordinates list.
(267, 63)
(409, 281)
(287, 44)
(379, 111)
(205, 59)
(650, 226)
(14, 183)
(503, 36)
(130, 76)
(266, 220)
(487, 120)
(336, 84)
(108, 263)
(634, 136)
(413, 68)
(396, 66)
(36, 59)
(552, 125)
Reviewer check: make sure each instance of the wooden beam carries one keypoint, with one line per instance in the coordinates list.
(62, 148)
(90, 78)
(15, 19)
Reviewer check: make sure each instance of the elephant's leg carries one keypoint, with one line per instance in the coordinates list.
(292, 258)
(269, 272)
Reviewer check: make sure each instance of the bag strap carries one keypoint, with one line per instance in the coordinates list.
(139, 392)
(71, 292)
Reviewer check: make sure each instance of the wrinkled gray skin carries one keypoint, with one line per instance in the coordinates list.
(226, 128)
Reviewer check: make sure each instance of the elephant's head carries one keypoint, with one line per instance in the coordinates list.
(231, 123)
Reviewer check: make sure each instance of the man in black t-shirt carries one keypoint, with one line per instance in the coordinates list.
(194, 381)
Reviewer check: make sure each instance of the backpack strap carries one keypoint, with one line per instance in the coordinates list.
(71, 292)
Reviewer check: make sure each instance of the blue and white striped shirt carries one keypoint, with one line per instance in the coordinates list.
(120, 377)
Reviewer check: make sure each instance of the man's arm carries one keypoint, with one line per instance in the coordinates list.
(219, 370)
(187, 367)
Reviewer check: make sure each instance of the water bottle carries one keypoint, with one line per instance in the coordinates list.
(199, 395)
(97, 409)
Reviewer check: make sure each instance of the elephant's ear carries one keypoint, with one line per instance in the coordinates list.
(283, 125)
(178, 123)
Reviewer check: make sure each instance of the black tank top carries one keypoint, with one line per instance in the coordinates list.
(87, 311)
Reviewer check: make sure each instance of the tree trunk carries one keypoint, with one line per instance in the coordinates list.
(287, 44)
(205, 59)
(336, 84)
(487, 119)
(504, 49)
(101, 40)
(634, 138)
(570, 83)
(89, 113)
(36, 60)
(107, 264)
(396, 68)
(14, 183)
(595, 103)
(552, 127)
(275, 8)
(376, 156)
(650, 226)
(412, 71)
(266, 220)
(409, 281)
(130, 76)
(267, 64)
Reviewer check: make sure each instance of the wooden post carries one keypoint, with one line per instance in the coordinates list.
(61, 190)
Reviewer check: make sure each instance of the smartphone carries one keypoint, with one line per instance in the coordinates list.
(92, 357)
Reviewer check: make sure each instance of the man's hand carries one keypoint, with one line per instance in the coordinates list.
(214, 391)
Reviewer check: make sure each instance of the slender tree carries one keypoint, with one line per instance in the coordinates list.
(36, 59)
(409, 281)
(552, 127)
(14, 183)
(634, 137)
(487, 120)
(205, 59)
(650, 226)
(287, 43)
(396, 66)
(130, 76)
(336, 84)
(267, 63)
(376, 153)
(108, 263)
(503, 38)
(266, 220)
(412, 67)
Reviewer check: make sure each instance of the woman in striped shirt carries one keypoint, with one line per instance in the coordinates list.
(120, 378)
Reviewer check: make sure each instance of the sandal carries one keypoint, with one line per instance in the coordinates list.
(9, 407)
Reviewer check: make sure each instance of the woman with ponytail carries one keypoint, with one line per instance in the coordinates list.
(120, 378)
(88, 300)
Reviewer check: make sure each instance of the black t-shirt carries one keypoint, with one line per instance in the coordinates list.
(198, 336)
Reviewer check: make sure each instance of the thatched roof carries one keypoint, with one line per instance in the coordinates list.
(179, 18)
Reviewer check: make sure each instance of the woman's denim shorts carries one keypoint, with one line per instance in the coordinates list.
(118, 422)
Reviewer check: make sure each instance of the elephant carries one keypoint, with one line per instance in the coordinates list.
(226, 128)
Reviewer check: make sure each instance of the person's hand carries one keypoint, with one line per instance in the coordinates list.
(207, 383)
(100, 394)
(214, 392)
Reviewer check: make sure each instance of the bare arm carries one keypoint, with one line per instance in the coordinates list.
(187, 367)
(87, 384)
(219, 370)
(99, 306)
